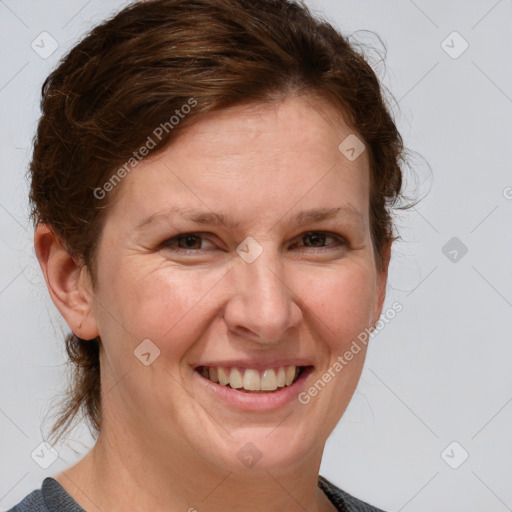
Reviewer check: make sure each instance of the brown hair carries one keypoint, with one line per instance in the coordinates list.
(130, 74)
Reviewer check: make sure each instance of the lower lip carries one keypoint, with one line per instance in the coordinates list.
(261, 401)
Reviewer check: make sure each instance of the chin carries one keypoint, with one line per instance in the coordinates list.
(271, 449)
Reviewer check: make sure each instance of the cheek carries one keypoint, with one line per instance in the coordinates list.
(341, 304)
(342, 301)
(168, 306)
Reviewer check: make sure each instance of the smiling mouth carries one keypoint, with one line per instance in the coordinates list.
(253, 381)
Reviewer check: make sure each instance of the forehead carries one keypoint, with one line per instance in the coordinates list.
(295, 125)
(259, 157)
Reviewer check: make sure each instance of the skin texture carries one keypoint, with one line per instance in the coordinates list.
(166, 444)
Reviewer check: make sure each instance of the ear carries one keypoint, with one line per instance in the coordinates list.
(382, 280)
(68, 283)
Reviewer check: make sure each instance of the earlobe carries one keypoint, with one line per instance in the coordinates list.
(67, 282)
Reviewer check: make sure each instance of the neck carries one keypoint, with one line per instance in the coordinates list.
(126, 472)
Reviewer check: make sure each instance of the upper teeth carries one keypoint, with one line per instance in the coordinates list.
(252, 380)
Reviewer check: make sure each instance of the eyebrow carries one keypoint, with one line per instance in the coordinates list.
(217, 219)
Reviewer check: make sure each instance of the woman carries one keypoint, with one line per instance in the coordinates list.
(211, 187)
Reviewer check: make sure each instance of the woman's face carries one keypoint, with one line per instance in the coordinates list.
(273, 285)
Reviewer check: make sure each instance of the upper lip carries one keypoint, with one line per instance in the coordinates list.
(256, 364)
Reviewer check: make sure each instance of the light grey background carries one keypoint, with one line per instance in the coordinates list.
(441, 370)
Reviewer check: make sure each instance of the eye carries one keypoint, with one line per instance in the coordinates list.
(185, 242)
(319, 239)
(193, 243)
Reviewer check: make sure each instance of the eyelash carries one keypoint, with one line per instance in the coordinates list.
(168, 243)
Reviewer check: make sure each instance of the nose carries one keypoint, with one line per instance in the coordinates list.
(263, 306)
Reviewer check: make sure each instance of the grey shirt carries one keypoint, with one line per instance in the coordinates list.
(52, 497)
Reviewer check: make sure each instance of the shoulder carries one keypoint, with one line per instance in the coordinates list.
(343, 501)
(33, 502)
(52, 497)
